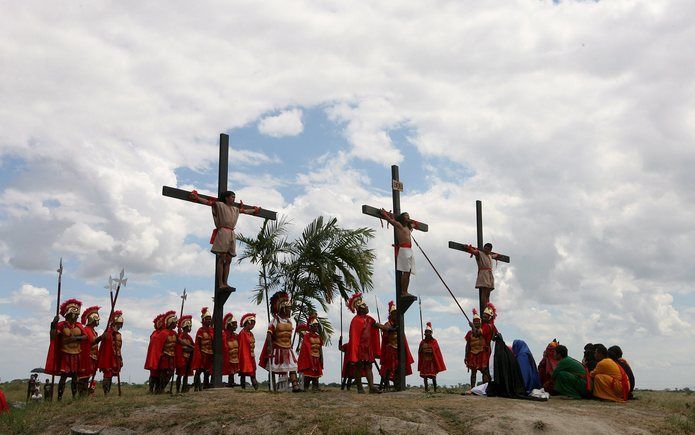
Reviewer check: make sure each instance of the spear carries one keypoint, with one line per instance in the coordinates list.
(110, 288)
(184, 296)
(121, 282)
(60, 281)
(422, 333)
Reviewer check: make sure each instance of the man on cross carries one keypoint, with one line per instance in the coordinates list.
(405, 259)
(486, 280)
(225, 214)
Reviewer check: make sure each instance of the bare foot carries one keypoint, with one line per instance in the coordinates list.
(407, 295)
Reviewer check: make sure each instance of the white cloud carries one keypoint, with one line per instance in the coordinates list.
(286, 123)
(575, 119)
(30, 296)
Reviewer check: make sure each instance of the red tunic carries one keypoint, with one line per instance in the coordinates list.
(247, 360)
(109, 362)
(430, 363)
(183, 364)
(480, 360)
(364, 339)
(91, 369)
(389, 354)
(202, 360)
(311, 366)
(58, 362)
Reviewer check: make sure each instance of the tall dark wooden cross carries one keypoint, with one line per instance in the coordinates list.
(221, 294)
(401, 304)
(467, 248)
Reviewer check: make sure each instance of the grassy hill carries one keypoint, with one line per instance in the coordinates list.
(230, 411)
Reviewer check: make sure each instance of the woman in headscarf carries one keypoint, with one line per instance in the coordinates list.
(527, 365)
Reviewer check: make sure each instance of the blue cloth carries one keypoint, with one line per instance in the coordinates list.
(527, 365)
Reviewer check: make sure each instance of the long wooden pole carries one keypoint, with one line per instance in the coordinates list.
(60, 280)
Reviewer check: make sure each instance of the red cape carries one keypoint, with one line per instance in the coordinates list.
(357, 325)
(304, 361)
(154, 350)
(197, 362)
(181, 361)
(54, 354)
(437, 357)
(3, 402)
(107, 357)
(247, 365)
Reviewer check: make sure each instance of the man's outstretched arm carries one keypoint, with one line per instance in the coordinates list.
(386, 215)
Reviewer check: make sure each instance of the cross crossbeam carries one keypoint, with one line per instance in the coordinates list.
(469, 248)
(185, 195)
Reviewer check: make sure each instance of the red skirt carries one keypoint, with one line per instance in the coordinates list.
(69, 363)
(478, 361)
(166, 363)
(315, 371)
(427, 368)
(233, 368)
(181, 371)
(206, 361)
(389, 360)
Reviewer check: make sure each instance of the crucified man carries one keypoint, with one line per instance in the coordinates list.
(405, 259)
(225, 214)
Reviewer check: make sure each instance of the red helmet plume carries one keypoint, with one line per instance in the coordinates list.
(71, 305)
(353, 299)
(88, 312)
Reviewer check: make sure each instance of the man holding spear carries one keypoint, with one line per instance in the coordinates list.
(60, 280)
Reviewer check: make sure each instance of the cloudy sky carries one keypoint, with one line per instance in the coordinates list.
(572, 121)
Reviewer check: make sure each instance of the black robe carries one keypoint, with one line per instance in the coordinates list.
(508, 381)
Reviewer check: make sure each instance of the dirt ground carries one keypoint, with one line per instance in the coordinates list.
(232, 411)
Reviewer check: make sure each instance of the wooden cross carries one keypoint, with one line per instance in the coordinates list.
(221, 294)
(401, 304)
(468, 248)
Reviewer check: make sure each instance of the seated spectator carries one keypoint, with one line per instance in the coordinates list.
(506, 377)
(547, 365)
(616, 354)
(589, 359)
(527, 365)
(610, 380)
(571, 378)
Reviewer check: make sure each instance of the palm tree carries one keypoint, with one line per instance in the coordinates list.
(325, 262)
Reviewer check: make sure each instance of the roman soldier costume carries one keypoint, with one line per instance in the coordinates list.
(277, 356)
(110, 359)
(90, 320)
(389, 349)
(247, 346)
(363, 346)
(230, 348)
(310, 362)
(166, 350)
(184, 353)
(430, 359)
(69, 350)
(152, 359)
(202, 354)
